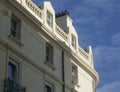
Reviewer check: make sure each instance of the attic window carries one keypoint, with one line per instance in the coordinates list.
(73, 41)
(49, 19)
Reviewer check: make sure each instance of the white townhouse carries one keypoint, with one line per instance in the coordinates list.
(39, 50)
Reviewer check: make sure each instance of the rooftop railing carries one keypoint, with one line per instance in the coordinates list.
(34, 8)
(83, 53)
(61, 33)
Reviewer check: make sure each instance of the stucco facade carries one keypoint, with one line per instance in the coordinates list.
(27, 34)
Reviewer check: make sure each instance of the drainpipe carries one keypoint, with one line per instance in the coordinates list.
(63, 72)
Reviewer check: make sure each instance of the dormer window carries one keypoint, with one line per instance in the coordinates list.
(49, 19)
(73, 41)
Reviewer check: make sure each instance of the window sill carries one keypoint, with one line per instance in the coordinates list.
(50, 65)
(15, 40)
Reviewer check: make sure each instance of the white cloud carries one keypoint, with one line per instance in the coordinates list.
(104, 4)
(106, 54)
(107, 63)
(116, 39)
(106, 59)
(96, 13)
(111, 87)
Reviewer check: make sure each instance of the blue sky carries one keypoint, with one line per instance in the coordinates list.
(98, 24)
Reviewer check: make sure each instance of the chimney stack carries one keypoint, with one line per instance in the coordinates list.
(62, 13)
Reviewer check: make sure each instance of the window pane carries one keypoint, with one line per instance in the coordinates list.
(12, 71)
(73, 41)
(13, 24)
(49, 87)
(15, 27)
(74, 73)
(49, 53)
(49, 19)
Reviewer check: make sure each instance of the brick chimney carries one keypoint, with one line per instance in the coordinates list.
(63, 20)
(63, 13)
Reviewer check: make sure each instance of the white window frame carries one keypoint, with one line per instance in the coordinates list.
(50, 85)
(16, 64)
(74, 74)
(49, 19)
(73, 41)
(17, 31)
(50, 53)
